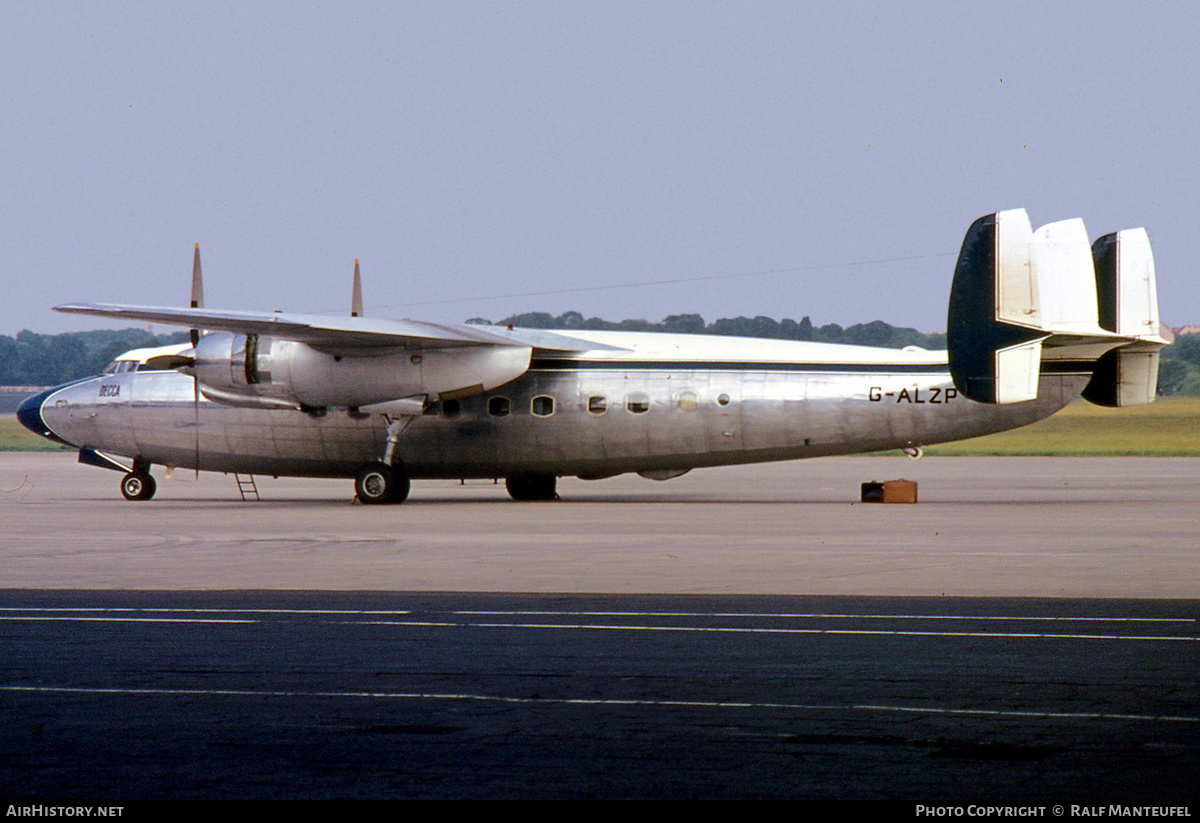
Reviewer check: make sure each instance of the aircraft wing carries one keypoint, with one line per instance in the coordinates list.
(340, 335)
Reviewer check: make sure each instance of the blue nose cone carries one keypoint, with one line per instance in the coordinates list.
(29, 413)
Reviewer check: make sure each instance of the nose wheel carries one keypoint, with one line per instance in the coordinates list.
(138, 485)
(381, 483)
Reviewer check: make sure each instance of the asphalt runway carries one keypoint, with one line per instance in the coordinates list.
(116, 697)
(1027, 633)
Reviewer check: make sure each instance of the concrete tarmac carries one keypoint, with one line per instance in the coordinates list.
(996, 527)
(1026, 634)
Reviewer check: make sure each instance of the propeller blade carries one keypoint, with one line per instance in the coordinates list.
(196, 419)
(356, 308)
(197, 291)
(197, 303)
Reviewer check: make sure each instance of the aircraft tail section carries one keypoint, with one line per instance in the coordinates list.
(1023, 299)
(1128, 306)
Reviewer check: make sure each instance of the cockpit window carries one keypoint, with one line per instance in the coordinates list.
(120, 367)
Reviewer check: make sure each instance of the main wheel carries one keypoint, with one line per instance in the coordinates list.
(379, 483)
(532, 487)
(138, 486)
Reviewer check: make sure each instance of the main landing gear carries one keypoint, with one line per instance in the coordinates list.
(385, 481)
(138, 485)
(532, 487)
(381, 483)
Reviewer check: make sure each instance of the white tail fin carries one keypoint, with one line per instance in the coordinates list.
(1128, 306)
(1065, 278)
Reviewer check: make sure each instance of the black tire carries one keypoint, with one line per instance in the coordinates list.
(532, 487)
(378, 483)
(400, 494)
(138, 486)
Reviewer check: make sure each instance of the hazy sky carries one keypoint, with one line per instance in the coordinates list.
(484, 158)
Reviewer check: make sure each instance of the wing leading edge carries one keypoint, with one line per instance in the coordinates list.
(340, 335)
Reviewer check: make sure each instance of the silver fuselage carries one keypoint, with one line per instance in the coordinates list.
(665, 403)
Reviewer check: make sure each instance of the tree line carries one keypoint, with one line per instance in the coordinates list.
(31, 359)
(876, 333)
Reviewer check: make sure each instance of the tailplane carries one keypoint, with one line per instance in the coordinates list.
(1024, 302)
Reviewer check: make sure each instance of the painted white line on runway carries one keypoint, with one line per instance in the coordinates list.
(746, 630)
(119, 615)
(834, 616)
(201, 611)
(61, 618)
(701, 704)
(544, 613)
(123, 615)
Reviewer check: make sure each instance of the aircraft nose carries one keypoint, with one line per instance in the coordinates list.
(29, 414)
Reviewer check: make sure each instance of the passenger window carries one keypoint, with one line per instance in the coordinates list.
(542, 406)
(687, 401)
(499, 407)
(637, 403)
(597, 404)
(723, 399)
(432, 409)
(451, 408)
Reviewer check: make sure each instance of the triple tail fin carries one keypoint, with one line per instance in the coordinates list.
(1025, 299)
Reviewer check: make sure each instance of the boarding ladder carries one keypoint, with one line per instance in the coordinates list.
(246, 486)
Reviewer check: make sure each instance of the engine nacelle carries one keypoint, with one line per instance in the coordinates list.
(246, 369)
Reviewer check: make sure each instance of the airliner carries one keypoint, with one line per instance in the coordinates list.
(1036, 318)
